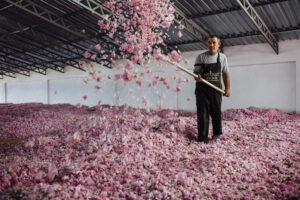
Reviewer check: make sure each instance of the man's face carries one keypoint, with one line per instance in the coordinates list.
(213, 45)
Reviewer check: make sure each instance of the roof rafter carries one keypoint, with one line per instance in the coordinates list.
(9, 74)
(33, 58)
(190, 26)
(93, 6)
(233, 8)
(259, 23)
(46, 15)
(3, 67)
(240, 35)
(21, 64)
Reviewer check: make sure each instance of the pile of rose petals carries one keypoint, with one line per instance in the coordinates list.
(64, 152)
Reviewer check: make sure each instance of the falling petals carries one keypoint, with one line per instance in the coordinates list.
(118, 76)
(177, 89)
(179, 34)
(175, 56)
(145, 101)
(97, 46)
(87, 54)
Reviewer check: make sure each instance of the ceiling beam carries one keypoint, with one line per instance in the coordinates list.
(9, 74)
(241, 35)
(23, 28)
(4, 62)
(6, 67)
(36, 59)
(18, 63)
(233, 8)
(258, 33)
(46, 15)
(259, 23)
(190, 26)
(93, 6)
(6, 72)
(49, 54)
(52, 18)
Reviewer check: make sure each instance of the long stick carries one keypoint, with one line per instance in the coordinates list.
(195, 76)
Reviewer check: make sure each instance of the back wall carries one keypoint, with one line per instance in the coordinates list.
(259, 77)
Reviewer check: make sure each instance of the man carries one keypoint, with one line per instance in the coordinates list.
(209, 66)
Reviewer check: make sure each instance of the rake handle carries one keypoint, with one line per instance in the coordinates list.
(195, 76)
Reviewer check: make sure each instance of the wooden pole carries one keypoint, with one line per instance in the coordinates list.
(195, 76)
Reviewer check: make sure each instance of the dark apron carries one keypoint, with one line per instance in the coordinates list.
(209, 100)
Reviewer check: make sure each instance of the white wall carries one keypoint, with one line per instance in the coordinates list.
(2, 92)
(266, 85)
(27, 91)
(259, 77)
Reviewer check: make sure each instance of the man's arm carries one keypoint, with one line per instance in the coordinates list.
(226, 81)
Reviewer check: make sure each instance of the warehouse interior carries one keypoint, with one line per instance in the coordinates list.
(42, 46)
(42, 43)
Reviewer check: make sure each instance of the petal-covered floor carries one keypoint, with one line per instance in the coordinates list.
(64, 152)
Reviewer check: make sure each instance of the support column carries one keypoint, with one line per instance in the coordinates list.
(298, 86)
(116, 94)
(5, 92)
(48, 91)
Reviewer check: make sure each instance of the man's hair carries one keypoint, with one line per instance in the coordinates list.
(214, 36)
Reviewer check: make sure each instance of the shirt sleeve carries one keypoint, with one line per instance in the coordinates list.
(225, 67)
(197, 65)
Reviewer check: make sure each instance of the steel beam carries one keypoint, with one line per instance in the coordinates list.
(259, 23)
(190, 26)
(34, 59)
(20, 30)
(41, 54)
(5, 67)
(21, 64)
(183, 43)
(241, 35)
(258, 33)
(4, 71)
(23, 28)
(46, 15)
(13, 66)
(93, 6)
(50, 17)
(7, 73)
(233, 8)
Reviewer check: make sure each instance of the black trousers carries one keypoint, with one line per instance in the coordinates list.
(208, 103)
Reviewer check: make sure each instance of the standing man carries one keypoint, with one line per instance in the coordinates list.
(210, 65)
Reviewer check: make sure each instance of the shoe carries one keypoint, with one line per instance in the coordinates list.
(203, 140)
(216, 136)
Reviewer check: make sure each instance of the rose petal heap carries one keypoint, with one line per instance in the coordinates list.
(64, 152)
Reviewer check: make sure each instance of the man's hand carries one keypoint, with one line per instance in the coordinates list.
(227, 93)
(198, 79)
